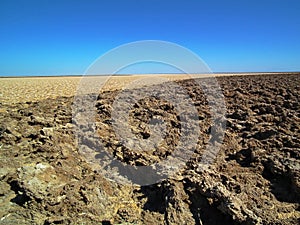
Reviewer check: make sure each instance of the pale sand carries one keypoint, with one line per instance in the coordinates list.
(23, 89)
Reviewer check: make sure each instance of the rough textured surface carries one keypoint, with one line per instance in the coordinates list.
(255, 178)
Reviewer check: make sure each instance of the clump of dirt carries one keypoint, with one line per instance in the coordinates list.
(255, 178)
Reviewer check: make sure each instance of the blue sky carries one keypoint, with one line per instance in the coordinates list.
(64, 37)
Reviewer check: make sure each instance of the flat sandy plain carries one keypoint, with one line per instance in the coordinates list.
(23, 89)
(254, 179)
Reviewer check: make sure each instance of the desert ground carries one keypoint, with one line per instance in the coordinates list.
(253, 179)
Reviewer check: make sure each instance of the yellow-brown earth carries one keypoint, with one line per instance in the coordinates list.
(255, 178)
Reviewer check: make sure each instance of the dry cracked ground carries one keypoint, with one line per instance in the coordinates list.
(254, 179)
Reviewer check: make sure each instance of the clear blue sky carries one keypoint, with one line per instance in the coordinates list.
(58, 37)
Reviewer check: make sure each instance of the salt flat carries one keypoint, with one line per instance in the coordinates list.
(254, 178)
(26, 89)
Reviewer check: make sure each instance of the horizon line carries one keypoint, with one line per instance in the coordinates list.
(133, 74)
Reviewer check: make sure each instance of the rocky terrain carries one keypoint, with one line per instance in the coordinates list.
(254, 179)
